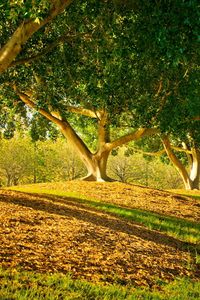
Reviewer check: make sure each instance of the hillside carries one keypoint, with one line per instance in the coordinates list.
(64, 230)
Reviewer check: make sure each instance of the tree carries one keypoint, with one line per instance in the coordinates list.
(55, 161)
(52, 77)
(190, 172)
(16, 159)
(168, 85)
(132, 167)
(24, 161)
(181, 152)
(118, 68)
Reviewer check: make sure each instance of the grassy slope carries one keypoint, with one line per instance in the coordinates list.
(32, 286)
(57, 286)
(193, 194)
(183, 229)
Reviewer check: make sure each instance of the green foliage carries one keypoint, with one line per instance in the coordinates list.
(138, 60)
(129, 166)
(41, 129)
(16, 11)
(16, 159)
(25, 161)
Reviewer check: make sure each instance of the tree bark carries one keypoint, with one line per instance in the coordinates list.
(191, 181)
(195, 169)
(98, 166)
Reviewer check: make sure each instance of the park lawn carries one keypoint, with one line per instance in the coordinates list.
(116, 241)
(184, 228)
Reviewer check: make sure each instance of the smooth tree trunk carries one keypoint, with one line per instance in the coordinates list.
(97, 169)
(191, 178)
(95, 163)
(195, 169)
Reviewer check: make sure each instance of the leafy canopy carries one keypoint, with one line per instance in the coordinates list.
(140, 60)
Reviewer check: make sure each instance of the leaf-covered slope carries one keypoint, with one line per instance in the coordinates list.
(45, 233)
(126, 195)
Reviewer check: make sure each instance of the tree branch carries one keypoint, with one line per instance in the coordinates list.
(197, 118)
(27, 100)
(157, 153)
(64, 126)
(141, 132)
(178, 149)
(25, 30)
(175, 161)
(48, 49)
(82, 111)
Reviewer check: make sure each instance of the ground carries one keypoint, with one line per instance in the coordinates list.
(55, 233)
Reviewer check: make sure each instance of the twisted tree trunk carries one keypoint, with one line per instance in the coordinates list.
(190, 179)
(95, 163)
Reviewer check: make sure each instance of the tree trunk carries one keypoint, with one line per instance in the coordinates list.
(9, 180)
(195, 169)
(191, 181)
(98, 167)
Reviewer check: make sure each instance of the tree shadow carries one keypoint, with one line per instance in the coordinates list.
(72, 207)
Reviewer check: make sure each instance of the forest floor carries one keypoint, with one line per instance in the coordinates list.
(56, 230)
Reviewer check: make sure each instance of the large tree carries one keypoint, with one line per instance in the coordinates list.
(83, 71)
(167, 80)
(133, 68)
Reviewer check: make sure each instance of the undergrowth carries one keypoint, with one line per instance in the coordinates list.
(21, 285)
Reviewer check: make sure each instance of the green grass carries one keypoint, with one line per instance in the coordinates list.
(196, 197)
(192, 194)
(16, 285)
(184, 230)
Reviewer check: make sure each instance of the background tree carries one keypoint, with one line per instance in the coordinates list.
(55, 161)
(22, 161)
(132, 167)
(16, 158)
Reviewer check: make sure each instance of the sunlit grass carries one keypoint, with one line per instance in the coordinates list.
(185, 230)
(21, 285)
(193, 193)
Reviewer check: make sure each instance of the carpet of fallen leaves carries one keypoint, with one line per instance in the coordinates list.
(52, 234)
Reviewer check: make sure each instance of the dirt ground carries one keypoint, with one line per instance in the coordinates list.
(45, 234)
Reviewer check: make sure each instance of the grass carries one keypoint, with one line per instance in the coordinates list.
(17, 285)
(185, 230)
(21, 285)
(193, 194)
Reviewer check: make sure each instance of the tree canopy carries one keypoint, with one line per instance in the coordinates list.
(121, 64)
